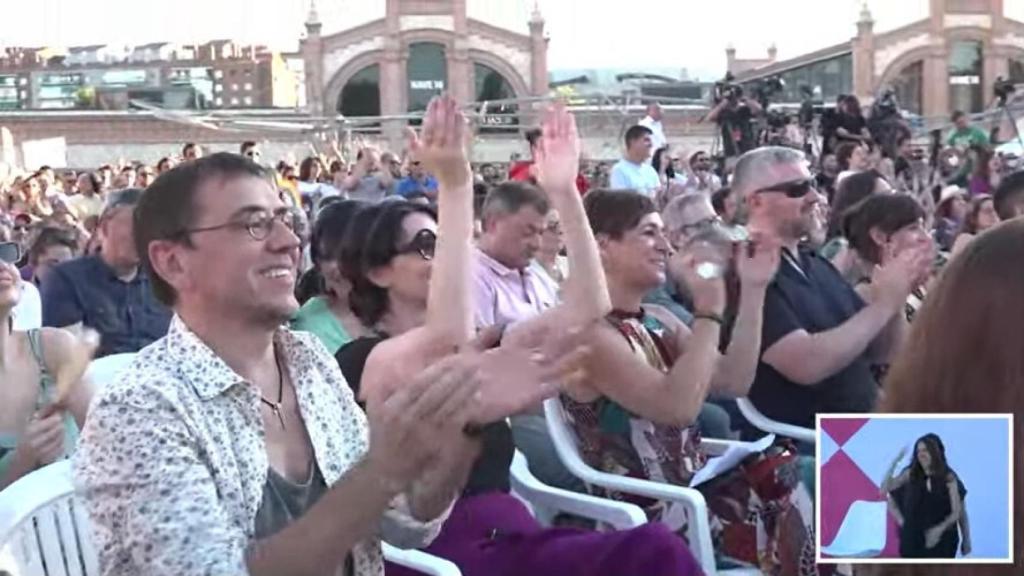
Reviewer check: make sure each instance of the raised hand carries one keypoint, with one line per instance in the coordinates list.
(898, 275)
(441, 145)
(557, 157)
(708, 290)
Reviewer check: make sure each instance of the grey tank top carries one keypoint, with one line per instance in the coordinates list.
(285, 501)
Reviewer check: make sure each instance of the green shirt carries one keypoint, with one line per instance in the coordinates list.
(968, 137)
(316, 318)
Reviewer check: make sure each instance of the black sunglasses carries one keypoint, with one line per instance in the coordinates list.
(795, 189)
(10, 252)
(423, 243)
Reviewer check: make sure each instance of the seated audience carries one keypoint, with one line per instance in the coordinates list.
(818, 334)
(941, 370)
(549, 260)
(52, 247)
(108, 292)
(981, 215)
(234, 445)
(39, 421)
(1008, 198)
(327, 314)
(950, 213)
(649, 375)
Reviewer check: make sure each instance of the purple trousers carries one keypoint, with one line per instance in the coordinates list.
(495, 535)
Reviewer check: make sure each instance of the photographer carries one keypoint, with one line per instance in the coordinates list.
(734, 113)
(850, 123)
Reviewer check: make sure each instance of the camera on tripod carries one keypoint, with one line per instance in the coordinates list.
(726, 89)
(1002, 88)
(765, 89)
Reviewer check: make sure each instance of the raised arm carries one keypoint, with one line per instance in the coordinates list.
(757, 263)
(585, 293)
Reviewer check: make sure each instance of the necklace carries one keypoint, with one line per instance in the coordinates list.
(275, 407)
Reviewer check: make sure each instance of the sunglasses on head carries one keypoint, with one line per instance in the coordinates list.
(423, 243)
(10, 252)
(794, 189)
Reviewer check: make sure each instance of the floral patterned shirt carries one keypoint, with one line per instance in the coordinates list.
(172, 462)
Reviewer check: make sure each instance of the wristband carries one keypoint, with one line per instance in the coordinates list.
(711, 317)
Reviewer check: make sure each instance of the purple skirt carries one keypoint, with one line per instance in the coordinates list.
(495, 535)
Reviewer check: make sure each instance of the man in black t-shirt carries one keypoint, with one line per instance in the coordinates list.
(819, 337)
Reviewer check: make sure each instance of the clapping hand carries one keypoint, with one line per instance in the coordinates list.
(557, 156)
(757, 260)
(441, 145)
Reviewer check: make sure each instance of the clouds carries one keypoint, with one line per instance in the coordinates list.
(690, 34)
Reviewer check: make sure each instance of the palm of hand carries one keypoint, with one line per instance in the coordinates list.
(441, 147)
(557, 158)
(511, 381)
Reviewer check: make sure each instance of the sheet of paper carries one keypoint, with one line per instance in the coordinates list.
(734, 455)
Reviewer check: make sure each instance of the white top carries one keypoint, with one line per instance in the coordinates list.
(28, 313)
(639, 177)
(658, 132)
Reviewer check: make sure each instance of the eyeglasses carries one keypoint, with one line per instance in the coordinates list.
(423, 243)
(258, 226)
(701, 225)
(10, 252)
(794, 189)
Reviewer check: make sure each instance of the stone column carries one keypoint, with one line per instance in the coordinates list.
(864, 57)
(313, 60)
(392, 91)
(538, 56)
(936, 84)
(460, 71)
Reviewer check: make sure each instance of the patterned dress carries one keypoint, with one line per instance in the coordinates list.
(761, 514)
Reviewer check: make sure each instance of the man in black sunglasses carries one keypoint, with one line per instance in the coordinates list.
(819, 337)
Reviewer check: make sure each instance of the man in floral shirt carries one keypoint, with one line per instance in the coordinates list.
(234, 446)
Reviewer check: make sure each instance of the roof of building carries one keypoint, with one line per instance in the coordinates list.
(798, 62)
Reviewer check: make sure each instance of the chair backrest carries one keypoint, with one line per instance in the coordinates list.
(565, 440)
(102, 371)
(766, 424)
(43, 529)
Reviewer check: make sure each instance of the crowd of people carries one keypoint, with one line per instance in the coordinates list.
(338, 353)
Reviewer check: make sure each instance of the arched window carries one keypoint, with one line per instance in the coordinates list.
(966, 85)
(491, 86)
(361, 94)
(427, 71)
(908, 85)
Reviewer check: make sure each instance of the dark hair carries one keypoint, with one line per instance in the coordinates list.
(188, 146)
(851, 191)
(635, 133)
(369, 302)
(656, 160)
(889, 213)
(970, 225)
(844, 152)
(854, 102)
(167, 208)
(329, 229)
(533, 136)
(937, 451)
(958, 114)
(978, 295)
(94, 181)
(161, 162)
(1009, 196)
(718, 199)
(248, 144)
(49, 237)
(306, 168)
(350, 256)
(510, 197)
(336, 166)
(615, 212)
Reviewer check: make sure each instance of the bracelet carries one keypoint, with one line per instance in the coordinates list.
(711, 317)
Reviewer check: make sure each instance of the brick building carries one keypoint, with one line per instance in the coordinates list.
(948, 60)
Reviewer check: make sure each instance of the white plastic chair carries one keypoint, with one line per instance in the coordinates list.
(762, 422)
(102, 371)
(698, 530)
(862, 533)
(43, 530)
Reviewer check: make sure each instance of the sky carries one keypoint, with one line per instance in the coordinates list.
(687, 34)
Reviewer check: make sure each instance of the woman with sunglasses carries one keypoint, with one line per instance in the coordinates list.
(37, 426)
(401, 259)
